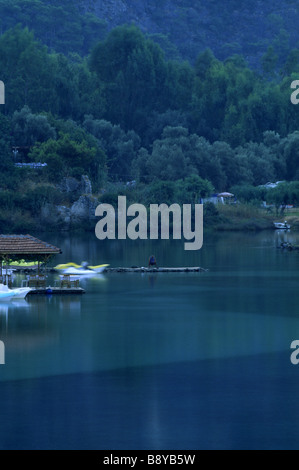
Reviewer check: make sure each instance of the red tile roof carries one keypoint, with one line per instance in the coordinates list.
(25, 245)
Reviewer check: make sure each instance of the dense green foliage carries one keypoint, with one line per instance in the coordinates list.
(183, 28)
(64, 27)
(126, 113)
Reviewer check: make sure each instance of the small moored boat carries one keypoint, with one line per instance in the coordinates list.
(282, 226)
(7, 294)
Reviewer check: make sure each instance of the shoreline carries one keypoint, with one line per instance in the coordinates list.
(227, 218)
(112, 270)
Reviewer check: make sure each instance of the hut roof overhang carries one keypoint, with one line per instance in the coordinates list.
(23, 246)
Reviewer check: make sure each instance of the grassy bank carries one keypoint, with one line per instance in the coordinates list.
(240, 217)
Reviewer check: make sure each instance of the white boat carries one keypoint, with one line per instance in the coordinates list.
(282, 226)
(7, 294)
(21, 292)
(73, 269)
(78, 272)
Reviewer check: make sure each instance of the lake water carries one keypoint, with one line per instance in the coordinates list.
(157, 361)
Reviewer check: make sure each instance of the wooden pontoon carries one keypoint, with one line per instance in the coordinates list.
(155, 270)
(58, 291)
(126, 270)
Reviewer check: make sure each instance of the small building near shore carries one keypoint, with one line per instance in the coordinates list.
(221, 198)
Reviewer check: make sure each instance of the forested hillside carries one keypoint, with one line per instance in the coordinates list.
(183, 28)
(122, 110)
(229, 27)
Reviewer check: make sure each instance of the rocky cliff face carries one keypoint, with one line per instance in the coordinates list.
(183, 28)
(233, 26)
(78, 214)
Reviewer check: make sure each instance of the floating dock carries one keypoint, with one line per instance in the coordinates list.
(155, 270)
(122, 270)
(288, 247)
(58, 291)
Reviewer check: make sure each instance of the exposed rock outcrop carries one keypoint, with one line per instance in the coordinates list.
(72, 185)
(85, 187)
(69, 185)
(82, 211)
(59, 216)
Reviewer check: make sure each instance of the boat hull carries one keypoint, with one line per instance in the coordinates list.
(279, 226)
(73, 269)
(21, 293)
(78, 272)
(7, 294)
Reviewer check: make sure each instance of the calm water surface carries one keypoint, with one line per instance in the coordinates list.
(157, 361)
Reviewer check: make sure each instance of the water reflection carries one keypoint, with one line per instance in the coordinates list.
(31, 331)
(4, 309)
(152, 279)
(162, 360)
(245, 305)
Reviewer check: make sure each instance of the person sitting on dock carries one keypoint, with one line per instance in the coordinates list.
(152, 262)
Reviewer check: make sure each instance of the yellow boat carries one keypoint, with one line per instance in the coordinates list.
(62, 267)
(99, 269)
(84, 269)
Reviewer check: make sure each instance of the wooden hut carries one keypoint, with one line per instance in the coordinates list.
(24, 247)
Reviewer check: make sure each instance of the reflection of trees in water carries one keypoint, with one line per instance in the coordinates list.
(285, 236)
(31, 323)
(221, 250)
(56, 303)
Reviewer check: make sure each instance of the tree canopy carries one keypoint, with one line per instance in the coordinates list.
(127, 113)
